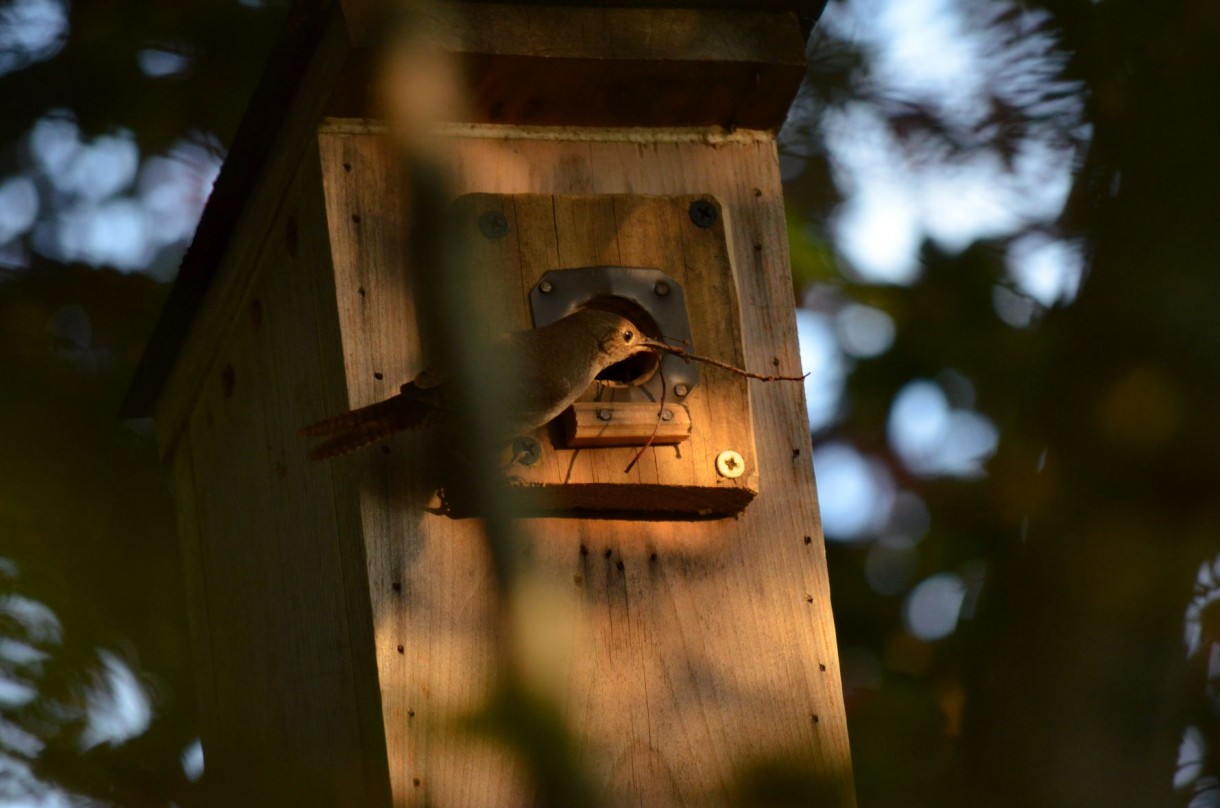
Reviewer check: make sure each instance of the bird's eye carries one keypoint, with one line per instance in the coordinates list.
(628, 336)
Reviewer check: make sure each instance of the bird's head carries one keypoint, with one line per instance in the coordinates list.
(619, 338)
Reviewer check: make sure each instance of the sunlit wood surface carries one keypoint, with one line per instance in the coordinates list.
(687, 650)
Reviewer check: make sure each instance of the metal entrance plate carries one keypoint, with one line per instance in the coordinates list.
(561, 292)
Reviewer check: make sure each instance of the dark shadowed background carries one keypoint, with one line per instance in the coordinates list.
(1003, 222)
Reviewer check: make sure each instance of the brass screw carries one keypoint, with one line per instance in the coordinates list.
(662, 288)
(545, 287)
(667, 415)
(681, 389)
(604, 415)
(730, 464)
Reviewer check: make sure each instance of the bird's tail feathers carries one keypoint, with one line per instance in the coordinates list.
(358, 428)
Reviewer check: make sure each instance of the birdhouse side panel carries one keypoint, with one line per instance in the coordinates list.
(279, 603)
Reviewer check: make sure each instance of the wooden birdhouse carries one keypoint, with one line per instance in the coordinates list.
(617, 156)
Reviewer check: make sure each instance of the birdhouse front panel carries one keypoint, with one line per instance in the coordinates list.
(686, 634)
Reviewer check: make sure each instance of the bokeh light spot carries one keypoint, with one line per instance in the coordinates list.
(99, 218)
(18, 207)
(31, 31)
(35, 618)
(54, 142)
(864, 331)
(15, 693)
(919, 421)
(1191, 754)
(116, 706)
(100, 169)
(158, 63)
(114, 233)
(192, 761)
(933, 606)
(821, 359)
(1045, 269)
(855, 493)
(933, 439)
(877, 231)
(927, 157)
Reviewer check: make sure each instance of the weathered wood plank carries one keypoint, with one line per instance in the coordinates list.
(625, 423)
(192, 546)
(586, 234)
(286, 617)
(586, 66)
(546, 233)
(727, 598)
(430, 586)
(642, 230)
(699, 646)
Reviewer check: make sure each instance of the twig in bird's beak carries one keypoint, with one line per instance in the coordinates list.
(685, 354)
(655, 426)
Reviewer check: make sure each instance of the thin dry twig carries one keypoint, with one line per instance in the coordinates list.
(658, 347)
(685, 354)
(656, 426)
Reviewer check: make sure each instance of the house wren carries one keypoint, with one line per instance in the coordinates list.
(556, 363)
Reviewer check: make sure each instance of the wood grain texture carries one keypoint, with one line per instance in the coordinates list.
(587, 66)
(547, 232)
(624, 423)
(695, 648)
(276, 586)
(428, 577)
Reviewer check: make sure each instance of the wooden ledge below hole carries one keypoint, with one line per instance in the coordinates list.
(624, 423)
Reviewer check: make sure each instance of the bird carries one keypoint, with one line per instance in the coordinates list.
(557, 362)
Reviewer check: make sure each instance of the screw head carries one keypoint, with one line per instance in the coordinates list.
(667, 415)
(526, 451)
(681, 389)
(703, 213)
(546, 287)
(662, 288)
(493, 225)
(730, 464)
(604, 414)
